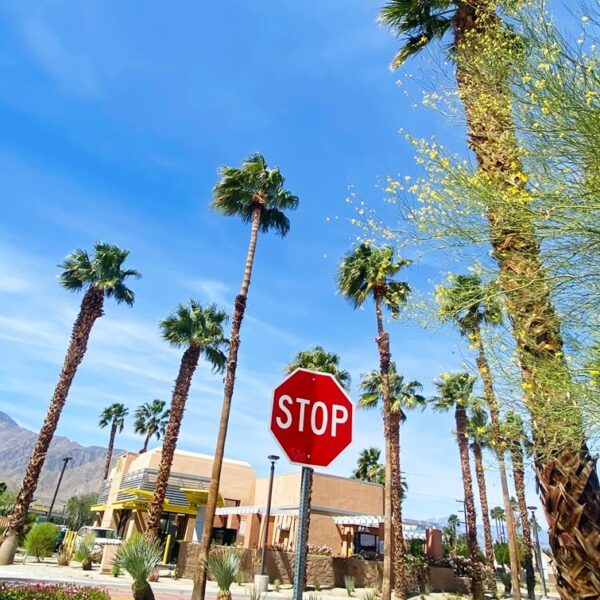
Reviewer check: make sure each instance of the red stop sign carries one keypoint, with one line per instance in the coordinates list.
(311, 418)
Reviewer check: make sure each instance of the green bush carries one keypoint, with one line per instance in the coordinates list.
(349, 584)
(223, 566)
(51, 592)
(86, 550)
(41, 539)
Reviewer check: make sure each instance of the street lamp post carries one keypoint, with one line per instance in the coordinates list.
(66, 459)
(538, 551)
(273, 458)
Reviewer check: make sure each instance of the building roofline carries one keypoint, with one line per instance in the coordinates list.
(231, 461)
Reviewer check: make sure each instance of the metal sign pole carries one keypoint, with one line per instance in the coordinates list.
(302, 533)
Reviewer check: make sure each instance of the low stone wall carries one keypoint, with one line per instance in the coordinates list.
(321, 571)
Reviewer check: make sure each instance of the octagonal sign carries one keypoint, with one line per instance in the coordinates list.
(311, 418)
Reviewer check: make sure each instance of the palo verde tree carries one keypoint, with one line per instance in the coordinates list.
(256, 194)
(471, 305)
(100, 276)
(484, 50)
(368, 272)
(198, 329)
(405, 397)
(151, 421)
(455, 392)
(113, 415)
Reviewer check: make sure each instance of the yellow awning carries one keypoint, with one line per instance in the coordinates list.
(199, 497)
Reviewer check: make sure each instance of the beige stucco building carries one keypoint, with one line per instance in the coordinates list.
(345, 513)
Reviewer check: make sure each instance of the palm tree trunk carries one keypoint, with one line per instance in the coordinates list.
(200, 572)
(91, 309)
(519, 477)
(470, 516)
(487, 528)
(189, 362)
(396, 490)
(385, 357)
(147, 441)
(497, 438)
(111, 445)
(142, 591)
(569, 484)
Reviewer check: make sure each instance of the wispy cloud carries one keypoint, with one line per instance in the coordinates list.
(211, 290)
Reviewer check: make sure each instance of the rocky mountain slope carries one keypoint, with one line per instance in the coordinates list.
(83, 473)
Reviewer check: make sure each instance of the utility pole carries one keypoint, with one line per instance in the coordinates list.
(273, 458)
(66, 459)
(538, 552)
(464, 511)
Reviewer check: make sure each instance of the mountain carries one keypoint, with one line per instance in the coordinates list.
(83, 473)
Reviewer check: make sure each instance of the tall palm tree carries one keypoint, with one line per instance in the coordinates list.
(497, 513)
(404, 396)
(451, 531)
(100, 276)
(565, 467)
(517, 444)
(318, 359)
(113, 415)
(455, 392)
(368, 467)
(151, 421)
(368, 272)
(198, 329)
(470, 304)
(479, 434)
(255, 193)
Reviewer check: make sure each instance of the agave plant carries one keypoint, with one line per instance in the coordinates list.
(223, 566)
(86, 550)
(139, 556)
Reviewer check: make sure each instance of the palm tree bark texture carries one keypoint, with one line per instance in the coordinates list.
(487, 528)
(111, 445)
(463, 445)
(91, 309)
(383, 344)
(189, 362)
(200, 575)
(399, 549)
(570, 489)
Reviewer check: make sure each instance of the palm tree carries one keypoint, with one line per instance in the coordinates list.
(198, 329)
(100, 276)
(318, 359)
(564, 464)
(455, 392)
(479, 433)
(497, 513)
(450, 531)
(470, 304)
(113, 415)
(151, 420)
(253, 192)
(368, 467)
(516, 441)
(368, 272)
(405, 397)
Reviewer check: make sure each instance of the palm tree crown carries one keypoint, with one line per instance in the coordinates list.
(151, 418)
(469, 303)
(200, 326)
(404, 395)
(478, 427)
(368, 467)
(368, 271)
(453, 389)
(102, 271)
(240, 191)
(318, 359)
(417, 23)
(115, 413)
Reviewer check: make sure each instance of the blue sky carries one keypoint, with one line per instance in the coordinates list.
(114, 122)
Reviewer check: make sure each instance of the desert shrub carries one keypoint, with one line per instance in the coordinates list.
(115, 571)
(41, 539)
(65, 556)
(349, 584)
(86, 551)
(369, 595)
(240, 578)
(223, 566)
(139, 557)
(277, 584)
(51, 592)
(253, 593)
